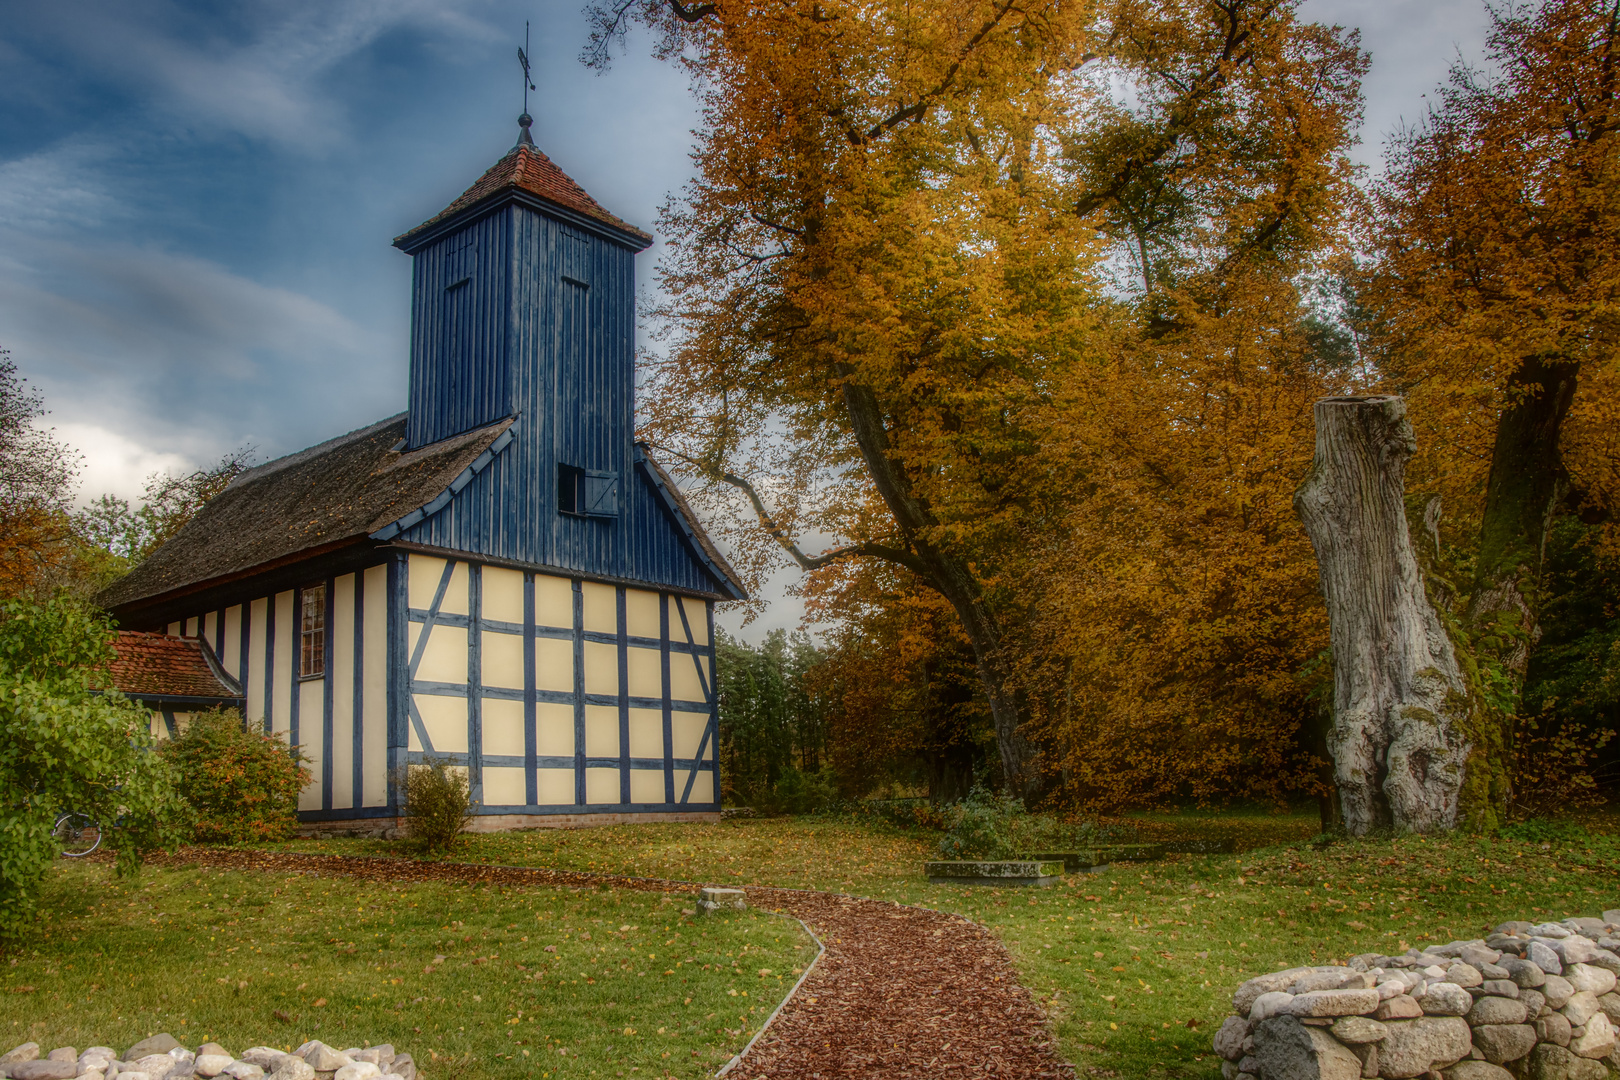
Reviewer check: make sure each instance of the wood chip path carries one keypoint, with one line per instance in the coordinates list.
(900, 991)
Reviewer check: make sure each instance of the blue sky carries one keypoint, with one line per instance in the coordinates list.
(197, 199)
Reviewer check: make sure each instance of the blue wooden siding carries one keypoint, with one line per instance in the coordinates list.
(459, 360)
(559, 324)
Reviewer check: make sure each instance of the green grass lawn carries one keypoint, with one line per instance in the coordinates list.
(1135, 964)
(459, 976)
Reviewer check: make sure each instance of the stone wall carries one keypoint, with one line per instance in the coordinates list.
(1530, 1002)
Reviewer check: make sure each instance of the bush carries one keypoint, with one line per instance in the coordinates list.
(981, 826)
(64, 746)
(242, 785)
(438, 801)
(796, 792)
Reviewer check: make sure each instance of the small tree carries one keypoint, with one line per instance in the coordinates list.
(65, 746)
(438, 802)
(243, 785)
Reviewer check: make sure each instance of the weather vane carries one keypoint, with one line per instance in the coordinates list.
(523, 58)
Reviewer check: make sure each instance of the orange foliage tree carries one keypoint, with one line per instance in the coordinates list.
(36, 483)
(898, 251)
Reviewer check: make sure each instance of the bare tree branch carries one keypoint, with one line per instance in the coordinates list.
(777, 533)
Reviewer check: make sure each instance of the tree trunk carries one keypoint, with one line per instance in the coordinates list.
(1400, 702)
(1525, 487)
(951, 575)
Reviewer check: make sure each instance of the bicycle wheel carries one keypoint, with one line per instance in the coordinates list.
(77, 835)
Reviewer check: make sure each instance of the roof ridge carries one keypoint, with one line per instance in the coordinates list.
(275, 465)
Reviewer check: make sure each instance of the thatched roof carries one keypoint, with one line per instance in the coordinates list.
(320, 499)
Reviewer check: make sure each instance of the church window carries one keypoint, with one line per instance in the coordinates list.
(312, 632)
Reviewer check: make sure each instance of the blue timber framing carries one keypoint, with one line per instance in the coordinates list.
(578, 699)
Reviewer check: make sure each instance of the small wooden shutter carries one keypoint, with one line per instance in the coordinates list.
(601, 494)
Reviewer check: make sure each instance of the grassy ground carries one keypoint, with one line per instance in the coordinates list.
(457, 975)
(1135, 964)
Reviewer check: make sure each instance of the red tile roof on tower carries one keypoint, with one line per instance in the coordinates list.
(161, 665)
(525, 168)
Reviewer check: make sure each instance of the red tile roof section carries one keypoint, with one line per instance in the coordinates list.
(147, 664)
(527, 169)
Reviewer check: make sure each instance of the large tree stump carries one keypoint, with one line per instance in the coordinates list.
(1400, 702)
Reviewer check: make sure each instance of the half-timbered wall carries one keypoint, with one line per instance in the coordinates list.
(338, 719)
(560, 695)
(557, 695)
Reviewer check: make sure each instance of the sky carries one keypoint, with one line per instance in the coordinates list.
(197, 199)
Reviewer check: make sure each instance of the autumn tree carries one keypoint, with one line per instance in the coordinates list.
(901, 235)
(37, 477)
(1495, 298)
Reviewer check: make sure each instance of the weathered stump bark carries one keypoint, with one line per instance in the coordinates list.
(1400, 702)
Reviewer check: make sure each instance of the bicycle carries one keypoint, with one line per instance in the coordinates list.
(77, 835)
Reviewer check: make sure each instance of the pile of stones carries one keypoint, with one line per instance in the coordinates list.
(1530, 1002)
(163, 1058)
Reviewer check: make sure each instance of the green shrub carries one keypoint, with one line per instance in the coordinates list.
(242, 785)
(982, 826)
(64, 746)
(438, 802)
(796, 792)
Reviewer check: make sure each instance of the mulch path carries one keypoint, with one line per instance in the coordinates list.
(900, 992)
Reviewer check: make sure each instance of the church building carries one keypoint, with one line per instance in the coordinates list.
(500, 576)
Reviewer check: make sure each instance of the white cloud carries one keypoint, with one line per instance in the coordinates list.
(115, 464)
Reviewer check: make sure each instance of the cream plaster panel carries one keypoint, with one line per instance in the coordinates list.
(554, 787)
(601, 668)
(176, 629)
(503, 594)
(687, 730)
(645, 668)
(555, 737)
(445, 658)
(423, 573)
(502, 659)
(232, 660)
(505, 787)
(553, 602)
(646, 733)
(342, 676)
(446, 721)
(255, 679)
(374, 744)
(641, 613)
(601, 731)
(702, 788)
(456, 600)
(286, 658)
(684, 683)
(697, 616)
(206, 625)
(503, 727)
(601, 786)
(601, 608)
(310, 692)
(554, 664)
(646, 786)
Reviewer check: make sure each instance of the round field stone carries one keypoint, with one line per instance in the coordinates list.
(1496, 1010)
(1358, 1029)
(1502, 1043)
(1552, 1027)
(1522, 972)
